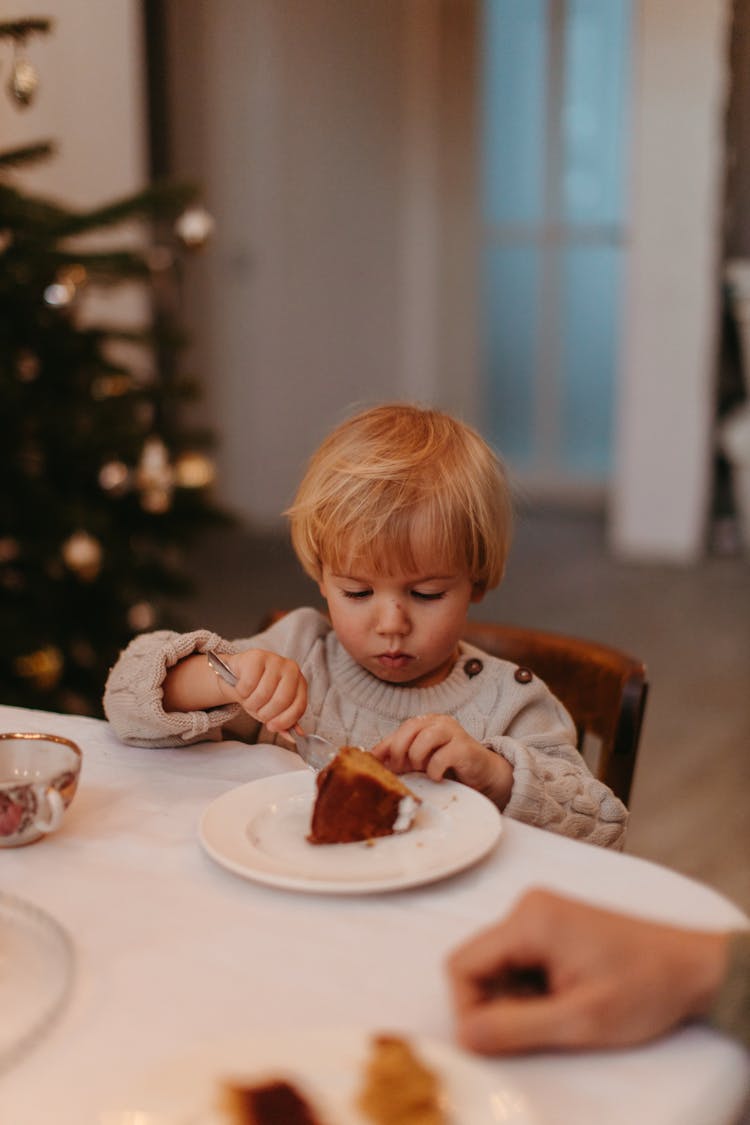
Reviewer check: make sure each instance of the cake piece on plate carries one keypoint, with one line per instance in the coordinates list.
(276, 1102)
(359, 798)
(398, 1088)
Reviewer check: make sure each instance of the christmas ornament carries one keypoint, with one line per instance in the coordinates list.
(154, 477)
(9, 549)
(82, 553)
(27, 366)
(59, 294)
(43, 667)
(6, 239)
(114, 477)
(194, 226)
(141, 616)
(110, 386)
(65, 286)
(194, 470)
(24, 81)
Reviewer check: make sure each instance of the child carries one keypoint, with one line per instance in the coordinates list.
(403, 518)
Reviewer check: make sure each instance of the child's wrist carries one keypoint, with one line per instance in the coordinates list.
(502, 779)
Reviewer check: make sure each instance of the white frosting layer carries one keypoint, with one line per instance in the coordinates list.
(407, 808)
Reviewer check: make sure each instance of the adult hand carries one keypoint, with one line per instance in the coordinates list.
(599, 979)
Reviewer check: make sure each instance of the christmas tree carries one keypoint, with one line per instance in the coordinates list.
(104, 482)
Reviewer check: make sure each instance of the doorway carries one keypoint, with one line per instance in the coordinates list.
(555, 95)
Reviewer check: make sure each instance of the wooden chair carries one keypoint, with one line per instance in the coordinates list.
(603, 688)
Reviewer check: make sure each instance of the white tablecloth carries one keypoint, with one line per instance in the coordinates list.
(173, 951)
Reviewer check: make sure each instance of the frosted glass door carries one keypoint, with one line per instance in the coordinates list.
(554, 96)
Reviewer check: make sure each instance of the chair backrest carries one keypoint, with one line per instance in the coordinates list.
(603, 688)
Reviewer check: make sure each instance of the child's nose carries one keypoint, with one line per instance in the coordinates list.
(392, 617)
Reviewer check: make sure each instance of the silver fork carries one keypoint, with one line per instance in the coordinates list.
(314, 750)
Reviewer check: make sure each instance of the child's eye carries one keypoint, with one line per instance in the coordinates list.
(357, 593)
(423, 597)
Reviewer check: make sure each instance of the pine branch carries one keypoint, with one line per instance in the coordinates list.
(157, 201)
(26, 155)
(111, 266)
(20, 30)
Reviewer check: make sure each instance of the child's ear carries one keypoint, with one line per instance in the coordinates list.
(478, 590)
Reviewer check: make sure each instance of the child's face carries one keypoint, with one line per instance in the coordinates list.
(404, 628)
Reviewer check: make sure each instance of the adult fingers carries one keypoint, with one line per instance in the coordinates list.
(571, 1019)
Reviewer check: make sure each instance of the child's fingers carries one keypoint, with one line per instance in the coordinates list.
(438, 763)
(396, 750)
(283, 713)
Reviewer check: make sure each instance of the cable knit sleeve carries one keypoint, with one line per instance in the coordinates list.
(133, 697)
(133, 700)
(552, 786)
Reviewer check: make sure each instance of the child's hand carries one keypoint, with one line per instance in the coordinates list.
(269, 687)
(438, 746)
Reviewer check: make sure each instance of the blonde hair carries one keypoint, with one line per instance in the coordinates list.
(397, 484)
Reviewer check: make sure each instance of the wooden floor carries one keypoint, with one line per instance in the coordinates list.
(690, 806)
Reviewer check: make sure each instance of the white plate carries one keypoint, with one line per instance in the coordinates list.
(259, 831)
(36, 972)
(326, 1066)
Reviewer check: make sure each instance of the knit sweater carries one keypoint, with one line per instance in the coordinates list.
(518, 718)
(730, 1011)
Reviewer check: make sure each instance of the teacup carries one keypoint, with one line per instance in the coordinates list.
(38, 779)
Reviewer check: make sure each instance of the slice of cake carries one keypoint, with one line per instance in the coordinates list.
(398, 1089)
(359, 798)
(276, 1102)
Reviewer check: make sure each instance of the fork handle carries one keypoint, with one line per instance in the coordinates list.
(222, 670)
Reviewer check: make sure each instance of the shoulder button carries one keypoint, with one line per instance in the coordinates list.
(473, 667)
(523, 675)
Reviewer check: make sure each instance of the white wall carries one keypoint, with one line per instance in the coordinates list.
(660, 493)
(90, 100)
(288, 115)
(317, 130)
(296, 117)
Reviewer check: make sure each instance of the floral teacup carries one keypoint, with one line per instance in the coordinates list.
(38, 780)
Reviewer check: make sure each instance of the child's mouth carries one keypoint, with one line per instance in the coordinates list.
(394, 660)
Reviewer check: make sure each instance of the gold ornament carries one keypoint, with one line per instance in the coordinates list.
(9, 549)
(82, 553)
(154, 477)
(114, 477)
(141, 616)
(59, 294)
(194, 227)
(110, 386)
(27, 366)
(24, 81)
(194, 470)
(63, 289)
(43, 667)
